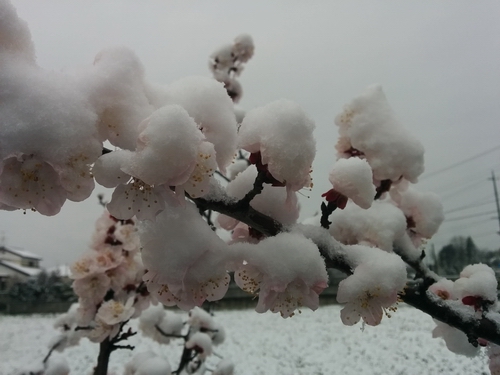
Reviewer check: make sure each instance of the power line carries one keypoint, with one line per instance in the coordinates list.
(454, 165)
(472, 175)
(463, 188)
(471, 205)
(469, 216)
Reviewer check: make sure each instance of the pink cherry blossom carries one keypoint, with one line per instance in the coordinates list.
(113, 312)
(371, 290)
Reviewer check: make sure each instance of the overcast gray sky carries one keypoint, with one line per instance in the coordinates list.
(437, 61)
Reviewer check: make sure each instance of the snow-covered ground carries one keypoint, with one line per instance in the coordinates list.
(311, 343)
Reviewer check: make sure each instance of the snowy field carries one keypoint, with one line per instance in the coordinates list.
(311, 343)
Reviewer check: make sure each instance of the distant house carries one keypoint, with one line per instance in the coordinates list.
(17, 265)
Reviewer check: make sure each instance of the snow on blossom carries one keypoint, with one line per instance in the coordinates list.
(207, 102)
(272, 201)
(147, 363)
(221, 61)
(286, 271)
(113, 312)
(236, 168)
(479, 281)
(167, 147)
(218, 334)
(373, 287)
(368, 128)
(154, 366)
(16, 36)
(444, 289)
(353, 178)
(66, 324)
(57, 365)
(200, 320)
(169, 322)
(243, 47)
(36, 110)
(224, 367)
(282, 133)
(138, 358)
(423, 210)
(131, 196)
(37, 106)
(183, 268)
(379, 226)
(494, 359)
(455, 340)
(117, 91)
(201, 343)
(170, 152)
(198, 184)
(227, 62)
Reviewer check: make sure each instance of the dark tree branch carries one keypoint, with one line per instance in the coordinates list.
(258, 186)
(326, 210)
(163, 333)
(130, 347)
(186, 357)
(486, 326)
(54, 347)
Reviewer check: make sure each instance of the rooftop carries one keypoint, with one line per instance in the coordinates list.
(28, 271)
(21, 253)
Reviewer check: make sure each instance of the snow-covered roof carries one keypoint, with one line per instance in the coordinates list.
(27, 271)
(21, 253)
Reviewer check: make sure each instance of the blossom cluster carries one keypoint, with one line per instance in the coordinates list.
(108, 280)
(200, 333)
(475, 293)
(173, 149)
(227, 62)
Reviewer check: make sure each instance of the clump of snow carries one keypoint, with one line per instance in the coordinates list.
(353, 178)
(400, 345)
(477, 280)
(16, 36)
(183, 268)
(207, 102)
(117, 91)
(226, 63)
(272, 201)
(224, 367)
(373, 287)
(57, 365)
(169, 322)
(201, 343)
(282, 133)
(369, 128)
(423, 210)
(236, 168)
(286, 271)
(36, 111)
(379, 226)
(147, 363)
(166, 148)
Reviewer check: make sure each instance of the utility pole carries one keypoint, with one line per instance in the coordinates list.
(493, 178)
